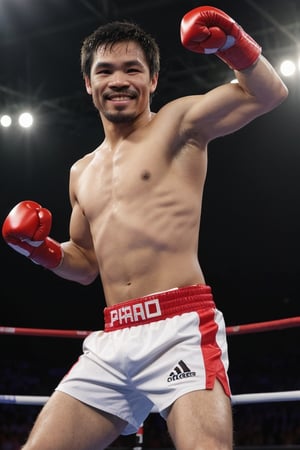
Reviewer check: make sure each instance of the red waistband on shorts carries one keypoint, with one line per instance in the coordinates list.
(158, 306)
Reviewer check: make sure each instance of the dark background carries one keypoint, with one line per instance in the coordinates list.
(249, 242)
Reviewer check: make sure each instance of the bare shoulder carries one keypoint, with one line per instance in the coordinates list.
(78, 167)
(174, 119)
(180, 106)
(76, 171)
(178, 113)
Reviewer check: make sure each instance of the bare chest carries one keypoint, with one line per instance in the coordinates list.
(112, 180)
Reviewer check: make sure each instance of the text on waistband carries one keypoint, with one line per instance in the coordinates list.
(137, 312)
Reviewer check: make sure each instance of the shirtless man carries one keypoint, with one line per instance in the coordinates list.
(136, 207)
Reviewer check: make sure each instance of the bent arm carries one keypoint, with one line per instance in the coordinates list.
(264, 86)
(231, 106)
(209, 30)
(79, 262)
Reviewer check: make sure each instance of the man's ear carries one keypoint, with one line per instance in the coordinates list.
(154, 82)
(87, 83)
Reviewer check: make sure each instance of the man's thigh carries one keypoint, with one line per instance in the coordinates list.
(202, 420)
(65, 423)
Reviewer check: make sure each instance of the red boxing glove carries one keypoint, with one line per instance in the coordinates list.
(26, 230)
(209, 30)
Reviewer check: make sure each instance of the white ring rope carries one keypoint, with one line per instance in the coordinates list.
(24, 399)
(239, 399)
(265, 397)
(262, 397)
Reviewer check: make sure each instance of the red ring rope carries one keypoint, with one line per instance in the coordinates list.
(44, 332)
(264, 326)
(231, 330)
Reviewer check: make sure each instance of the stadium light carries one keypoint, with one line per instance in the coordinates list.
(288, 68)
(5, 121)
(25, 120)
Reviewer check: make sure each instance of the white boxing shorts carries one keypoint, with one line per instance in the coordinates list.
(152, 351)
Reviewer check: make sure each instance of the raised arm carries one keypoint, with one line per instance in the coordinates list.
(222, 110)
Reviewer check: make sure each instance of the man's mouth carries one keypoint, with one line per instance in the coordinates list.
(119, 98)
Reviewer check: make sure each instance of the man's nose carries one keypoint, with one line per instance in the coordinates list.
(118, 80)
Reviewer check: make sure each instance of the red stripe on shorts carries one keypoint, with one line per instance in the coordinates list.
(211, 351)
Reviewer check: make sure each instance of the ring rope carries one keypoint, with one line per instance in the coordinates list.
(239, 399)
(279, 324)
(231, 330)
(44, 332)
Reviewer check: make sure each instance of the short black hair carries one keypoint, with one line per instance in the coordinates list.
(119, 31)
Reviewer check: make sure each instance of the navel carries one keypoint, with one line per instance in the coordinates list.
(146, 175)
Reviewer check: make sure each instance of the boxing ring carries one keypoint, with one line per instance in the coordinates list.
(238, 399)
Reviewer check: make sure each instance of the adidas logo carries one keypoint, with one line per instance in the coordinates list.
(180, 371)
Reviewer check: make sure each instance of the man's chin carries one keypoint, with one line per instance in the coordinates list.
(119, 117)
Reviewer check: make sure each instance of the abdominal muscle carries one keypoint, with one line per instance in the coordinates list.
(139, 256)
(144, 214)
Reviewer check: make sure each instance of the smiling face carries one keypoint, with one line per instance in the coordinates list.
(120, 82)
